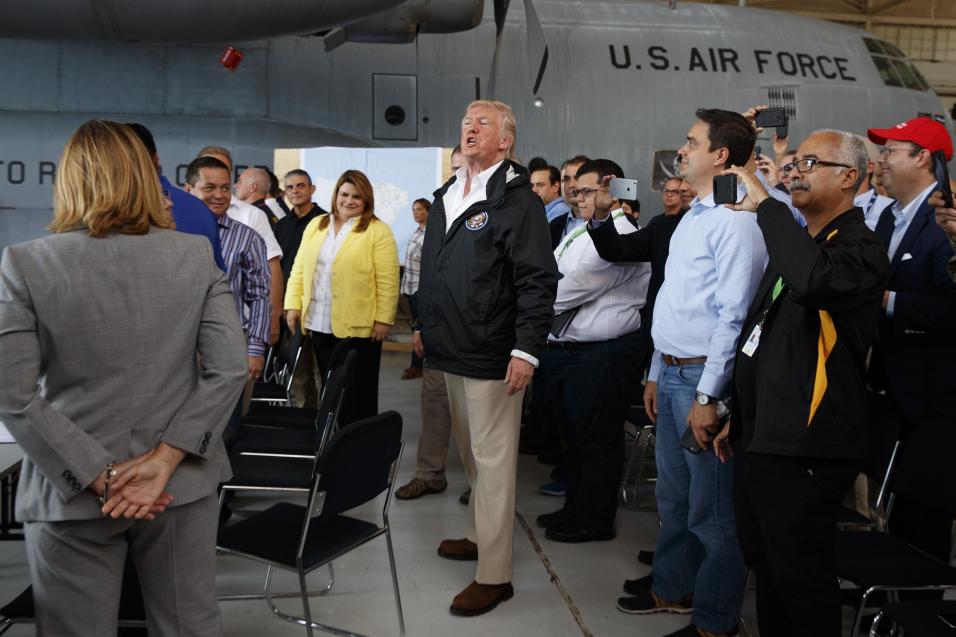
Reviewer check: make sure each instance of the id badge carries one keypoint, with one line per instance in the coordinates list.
(752, 341)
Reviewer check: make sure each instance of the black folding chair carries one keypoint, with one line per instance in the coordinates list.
(276, 386)
(642, 440)
(132, 612)
(877, 561)
(296, 417)
(922, 618)
(883, 440)
(278, 439)
(302, 538)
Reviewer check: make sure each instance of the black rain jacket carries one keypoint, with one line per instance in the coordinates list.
(803, 393)
(488, 284)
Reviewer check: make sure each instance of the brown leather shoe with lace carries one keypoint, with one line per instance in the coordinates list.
(463, 549)
(477, 598)
(417, 487)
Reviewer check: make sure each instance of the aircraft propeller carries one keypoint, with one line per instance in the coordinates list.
(537, 47)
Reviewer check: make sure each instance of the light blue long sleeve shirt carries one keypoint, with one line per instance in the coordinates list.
(717, 258)
(556, 208)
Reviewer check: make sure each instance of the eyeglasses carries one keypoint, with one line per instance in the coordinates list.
(584, 192)
(668, 191)
(806, 165)
(886, 150)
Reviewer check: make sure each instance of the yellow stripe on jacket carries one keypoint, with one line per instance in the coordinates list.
(826, 341)
(364, 278)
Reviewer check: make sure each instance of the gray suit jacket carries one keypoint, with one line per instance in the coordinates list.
(107, 347)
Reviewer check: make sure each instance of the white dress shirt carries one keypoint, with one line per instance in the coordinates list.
(320, 306)
(456, 202)
(275, 207)
(717, 258)
(256, 219)
(902, 218)
(873, 204)
(609, 295)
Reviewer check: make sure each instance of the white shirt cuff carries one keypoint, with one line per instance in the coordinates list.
(517, 353)
(891, 304)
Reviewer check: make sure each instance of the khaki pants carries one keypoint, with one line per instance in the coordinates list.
(436, 427)
(486, 422)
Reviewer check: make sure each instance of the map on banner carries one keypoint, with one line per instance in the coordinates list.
(399, 176)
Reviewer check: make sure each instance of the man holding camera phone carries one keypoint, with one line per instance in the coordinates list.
(809, 326)
(712, 271)
(590, 365)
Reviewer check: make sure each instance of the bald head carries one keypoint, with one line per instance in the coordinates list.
(253, 185)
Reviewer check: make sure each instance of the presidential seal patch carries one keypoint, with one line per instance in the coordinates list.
(477, 221)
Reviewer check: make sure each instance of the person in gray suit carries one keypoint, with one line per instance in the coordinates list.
(122, 359)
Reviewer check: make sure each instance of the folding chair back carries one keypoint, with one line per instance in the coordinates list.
(883, 434)
(340, 352)
(333, 395)
(925, 471)
(359, 462)
(287, 356)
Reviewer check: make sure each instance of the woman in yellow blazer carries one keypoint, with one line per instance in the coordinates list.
(344, 285)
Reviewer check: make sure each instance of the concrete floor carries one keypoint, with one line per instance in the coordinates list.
(362, 600)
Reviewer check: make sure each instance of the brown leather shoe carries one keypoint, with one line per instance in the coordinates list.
(478, 599)
(412, 372)
(462, 550)
(417, 487)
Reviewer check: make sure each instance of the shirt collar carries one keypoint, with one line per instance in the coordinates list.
(554, 202)
(864, 198)
(224, 221)
(479, 180)
(906, 213)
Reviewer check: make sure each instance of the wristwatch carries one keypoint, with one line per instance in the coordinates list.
(704, 400)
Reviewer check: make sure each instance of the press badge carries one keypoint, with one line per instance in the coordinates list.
(752, 341)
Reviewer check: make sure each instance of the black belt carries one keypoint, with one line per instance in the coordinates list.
(568, 345)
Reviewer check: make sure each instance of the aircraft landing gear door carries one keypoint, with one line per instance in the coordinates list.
(395, 103)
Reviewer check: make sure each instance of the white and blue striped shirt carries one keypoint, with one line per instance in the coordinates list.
(244, 252)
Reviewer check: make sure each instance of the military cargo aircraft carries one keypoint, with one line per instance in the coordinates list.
(613, 78)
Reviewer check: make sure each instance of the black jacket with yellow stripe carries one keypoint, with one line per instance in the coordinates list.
(803, 391)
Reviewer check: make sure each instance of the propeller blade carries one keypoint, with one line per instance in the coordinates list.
(537, 46)
(501, 14)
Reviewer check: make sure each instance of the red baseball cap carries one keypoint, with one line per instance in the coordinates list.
(924, 131)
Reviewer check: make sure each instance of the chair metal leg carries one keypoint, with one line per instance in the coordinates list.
(241, 597)
(858, 619)
(398, 597)
(302, 621)
(875, 625)
(305, 602)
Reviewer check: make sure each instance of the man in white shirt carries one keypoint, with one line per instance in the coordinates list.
(257, 220)
(590, 369)
(867, 198)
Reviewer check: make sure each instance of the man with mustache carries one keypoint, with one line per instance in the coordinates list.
(821, 293)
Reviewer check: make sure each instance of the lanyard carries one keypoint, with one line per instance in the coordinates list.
(581, 230)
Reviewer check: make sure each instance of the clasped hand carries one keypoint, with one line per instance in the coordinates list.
(138, 490)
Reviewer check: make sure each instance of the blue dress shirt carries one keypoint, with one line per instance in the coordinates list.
(193, 217)
(556, 208)
(717, 258)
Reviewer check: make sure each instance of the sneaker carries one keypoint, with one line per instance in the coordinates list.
(639, 586)
(417, 487)
(555, 489)
(649, 603)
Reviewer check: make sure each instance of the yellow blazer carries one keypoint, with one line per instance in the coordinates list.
(364, 278)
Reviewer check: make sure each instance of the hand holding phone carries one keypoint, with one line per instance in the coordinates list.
(725, 189)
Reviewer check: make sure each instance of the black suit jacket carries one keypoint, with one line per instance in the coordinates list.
(916, 347)
(557, 226)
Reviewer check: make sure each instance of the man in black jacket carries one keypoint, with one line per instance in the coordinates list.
(487, 288)
(799, 389)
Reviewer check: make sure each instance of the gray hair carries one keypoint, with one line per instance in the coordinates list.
(851, 151)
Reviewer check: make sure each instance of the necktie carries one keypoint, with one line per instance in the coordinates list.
(884, 227)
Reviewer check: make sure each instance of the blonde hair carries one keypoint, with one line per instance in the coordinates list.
(508, 122)
(106, 181)
(358, 179)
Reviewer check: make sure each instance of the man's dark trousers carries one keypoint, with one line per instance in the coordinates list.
(588, 386)
(786, 510)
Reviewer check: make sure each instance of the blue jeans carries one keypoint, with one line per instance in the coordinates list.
(697, 549)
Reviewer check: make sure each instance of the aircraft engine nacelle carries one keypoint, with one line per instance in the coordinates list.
(183, 21)
(401, 24)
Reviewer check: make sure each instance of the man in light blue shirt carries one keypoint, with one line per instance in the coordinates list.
(716, 260)
(546, 183)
